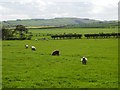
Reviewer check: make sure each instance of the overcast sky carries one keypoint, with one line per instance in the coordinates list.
(27, 9)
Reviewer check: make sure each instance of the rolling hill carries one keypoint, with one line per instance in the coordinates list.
(60, 22)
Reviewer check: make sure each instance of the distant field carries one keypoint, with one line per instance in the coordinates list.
(75, 30)
(24, 68)
(71, 30)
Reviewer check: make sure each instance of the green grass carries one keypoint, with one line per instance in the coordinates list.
(74, 30)
(23, 68)
(44, 32)
(0, 64)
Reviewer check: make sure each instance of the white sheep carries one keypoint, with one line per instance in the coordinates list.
(33, 48)
(26, 46)
(84, 60)
(36, 39)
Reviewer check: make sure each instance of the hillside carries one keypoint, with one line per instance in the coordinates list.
(58, 22)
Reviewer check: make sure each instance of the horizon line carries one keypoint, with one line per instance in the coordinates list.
(58, 18)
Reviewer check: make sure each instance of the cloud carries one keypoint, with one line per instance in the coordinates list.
(105, 10)
(64, 9)
(14, 16)
(119, 10)
(96, 9)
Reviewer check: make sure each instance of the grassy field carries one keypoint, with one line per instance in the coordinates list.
(74, 30)
(44, 32)
(0, 64)
(24, 68)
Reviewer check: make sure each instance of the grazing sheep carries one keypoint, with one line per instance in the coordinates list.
(84, 60)
(36, 39)
(26, 46)
(33, 48)
(55, 53)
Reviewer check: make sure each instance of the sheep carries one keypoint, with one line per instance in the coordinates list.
(26, 46)
(33, 48)
(36, 39)
(55, 53)
(84, 60)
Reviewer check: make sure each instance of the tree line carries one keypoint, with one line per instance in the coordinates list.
(88, 36)
(102, 35)
(19, 33)
(66, 36)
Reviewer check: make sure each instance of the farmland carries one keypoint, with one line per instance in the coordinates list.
(74, 30)
(0, 64)
(43, 32)
(24, 68)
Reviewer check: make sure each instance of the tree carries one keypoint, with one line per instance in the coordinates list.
(19, 33)
(6, 33)
(22, 30)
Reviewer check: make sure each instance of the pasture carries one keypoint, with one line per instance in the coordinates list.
(0, 64)
(73, 30)
(24, 68)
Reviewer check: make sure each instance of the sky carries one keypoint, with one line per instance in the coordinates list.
(47, 9)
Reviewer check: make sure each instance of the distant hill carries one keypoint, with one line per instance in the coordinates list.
(60, 22)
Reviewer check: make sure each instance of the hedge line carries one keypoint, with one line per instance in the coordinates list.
(88, 36)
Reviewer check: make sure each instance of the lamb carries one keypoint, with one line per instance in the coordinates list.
(26, 46)
(84, 60)
(36, 39)
(33, 48)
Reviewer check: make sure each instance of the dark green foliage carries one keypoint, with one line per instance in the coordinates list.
(102, 35)
(88, 36)
(67, 36)
(19, 33)
(22, 30)
(6, 33)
